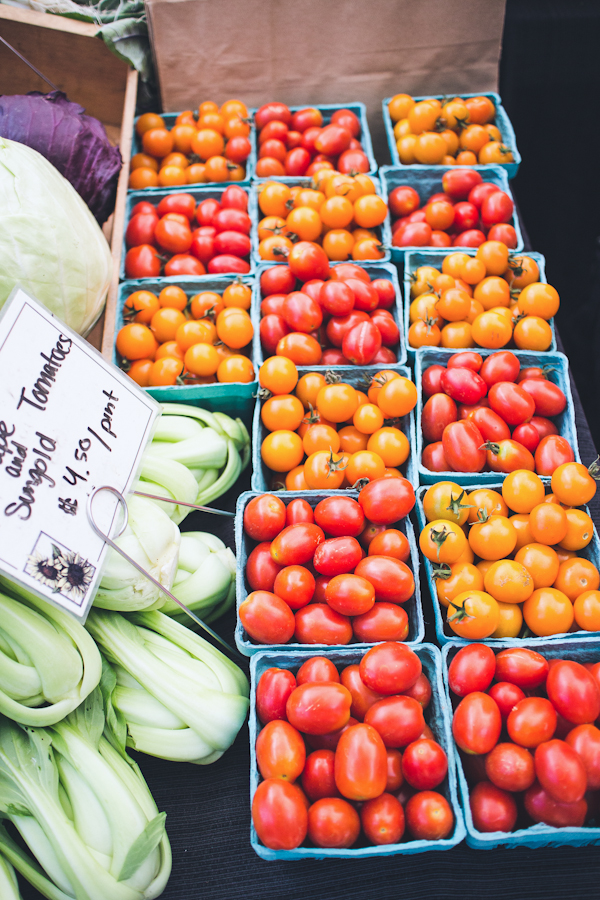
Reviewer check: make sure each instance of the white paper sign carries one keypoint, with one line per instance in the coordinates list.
(69, 423)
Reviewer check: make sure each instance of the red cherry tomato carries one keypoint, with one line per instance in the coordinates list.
(491, 808)
(264, 517)
(360, 763)
(392, 579)
(398, 720)
(390, 668)
(273, 689)
(506, 696)
(531, 722)
(362, 696)
(317, 668)
(573, 692)
(431, 380)
(542, 807)
(319, 707)
(585, 741)
(528, 435)
(330, 740)
(308, 261)
(521, 666)
(467, 359)
(511, 402)
(471, 669)
(549, 399)
(340, 516)
(497, 207)
(318, 779)
(277, 279)
(140, 229)
(297, 511)
(383, 622)
(318, 623)
(350, 595)
(261, 569)
(296, 544)
(142, 261)
(295, 585)
(439, 410)
(552, 451)
(382, 819)
(385, 500)
(279, 814)
(560, 771)
(510, 767)
(266, 618)
(361, 343)
(492, 427)
(234, 197)
(280, 751)
(462, 443)
(429, 816)
(508, 456)
(463, 385)
(336, 556)
(477, 723)
(333, 822)
(501, 366)
(458, 183)
(424, 764)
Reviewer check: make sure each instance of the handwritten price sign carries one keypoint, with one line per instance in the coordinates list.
(69, 422)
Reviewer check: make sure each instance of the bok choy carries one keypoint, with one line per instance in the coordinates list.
(205, 578)
(180, 697)
(48, 661)
(83, 809)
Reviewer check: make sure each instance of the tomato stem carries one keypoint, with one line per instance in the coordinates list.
(441, 570)
(460, 613)
(594, 469)
(456, 504)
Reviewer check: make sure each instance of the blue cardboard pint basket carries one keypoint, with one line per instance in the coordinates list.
(169, 120)
(438, 716)
(258, 184)
(155, 195)
(261, 475)
(327, 110)
(445, 635)
(565, 422)
(584, 650)
(375, 270)
(432, 257)
(233, 398)
(427, 181)
(245, 545)
(501, 120)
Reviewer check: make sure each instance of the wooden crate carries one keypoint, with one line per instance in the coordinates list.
(81, 65)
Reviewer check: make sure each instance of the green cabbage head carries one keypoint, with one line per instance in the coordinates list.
(50, 243)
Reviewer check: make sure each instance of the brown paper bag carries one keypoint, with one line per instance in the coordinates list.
(323, 51)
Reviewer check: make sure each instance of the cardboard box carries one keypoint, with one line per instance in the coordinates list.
(335, 51)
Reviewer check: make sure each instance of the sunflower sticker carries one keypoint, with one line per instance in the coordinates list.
(62, 570)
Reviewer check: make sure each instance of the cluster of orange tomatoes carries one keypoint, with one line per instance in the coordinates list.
(172, 339)
(488, 300)
(340, 212)
(454, 132)
(212, 145)
(505, 557)
(326, 435)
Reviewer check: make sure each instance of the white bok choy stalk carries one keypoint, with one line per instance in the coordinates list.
(181, 698)
(9, 888)
(83, 809)
(211, 448)
(151, 539)
(205, 578)
(48, 661)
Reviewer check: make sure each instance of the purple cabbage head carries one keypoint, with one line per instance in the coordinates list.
(74, 143)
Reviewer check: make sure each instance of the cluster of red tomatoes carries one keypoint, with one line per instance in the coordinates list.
(300, 143)
(490, 300)
(466, 213)
(501, 557)
(306, 424)
(327, 590)
(210, 145)
(526, 728)
(452, 132)
(340, 213)
(340, 317)
(353, 776)
(171, 339)
(489, 414)
(213, 236)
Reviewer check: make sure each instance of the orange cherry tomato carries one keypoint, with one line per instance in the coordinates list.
(234, 327)
(397, 397)
(282, 411)
(337, 402)
(295, 480)
(308, 387)
(508, 581)
(147, 122)
(325, 469)
(473, 615)
(143, 177)
(573, 484)
(139, 371)
(464, 576)
(580, 530)
(487, 501)
(143, 161)
(206, 303)
(303, 349)
(541, 562)
(201, 359)
(195, 331)
(169, 348)
(238, 295)
(587, 610)
(144, 303)
(548, 611)
(236, 368)
(136, 341)
(522, 490)
(391, 445)
(548, 523)
(365, 464)
(352, 440)
(442, 541)
(278, 375)
(173, 297)
(575, 576)
(320, 437)
(165, 371)
(494, 538)
(282, 450)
